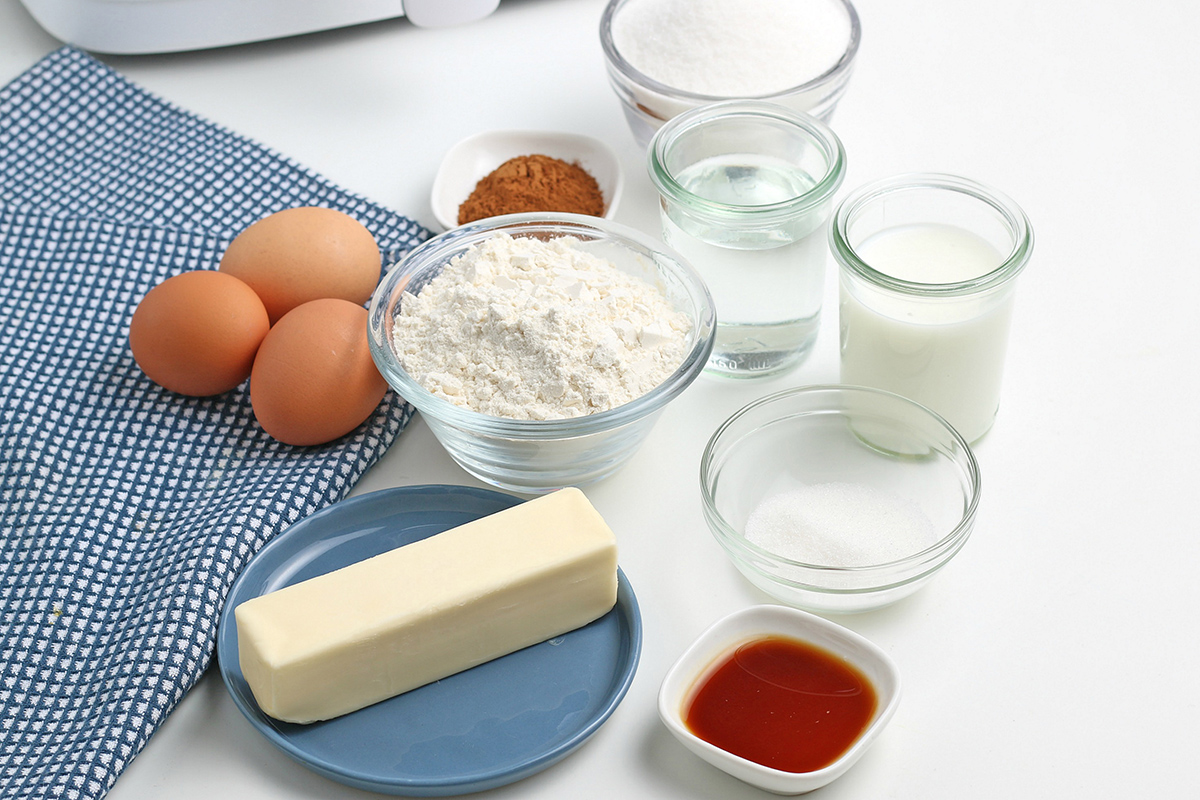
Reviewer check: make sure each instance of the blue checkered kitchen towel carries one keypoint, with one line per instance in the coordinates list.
(126, 511)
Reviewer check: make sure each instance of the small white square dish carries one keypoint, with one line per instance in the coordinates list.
(723, 657)
(472, 159)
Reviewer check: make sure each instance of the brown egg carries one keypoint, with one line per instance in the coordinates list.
(197, 333)
(302, 254)
(313, 378)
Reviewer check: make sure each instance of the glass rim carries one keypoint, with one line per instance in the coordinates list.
(1014, 219)
(819, 133)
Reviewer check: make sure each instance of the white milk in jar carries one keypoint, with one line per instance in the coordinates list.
(926, 304)
(950, 359)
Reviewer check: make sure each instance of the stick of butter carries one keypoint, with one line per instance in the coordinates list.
(344, 640)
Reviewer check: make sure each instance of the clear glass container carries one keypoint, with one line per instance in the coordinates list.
(746, 190)
(817, 435)
(534, 456)
(649, 103)
(928, 266)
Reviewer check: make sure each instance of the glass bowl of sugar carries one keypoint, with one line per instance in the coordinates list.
(839, 498)
(665, 57)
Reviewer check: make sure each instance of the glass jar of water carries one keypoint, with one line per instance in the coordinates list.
(746, 190)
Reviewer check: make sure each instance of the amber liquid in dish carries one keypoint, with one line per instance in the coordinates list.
(782, 703)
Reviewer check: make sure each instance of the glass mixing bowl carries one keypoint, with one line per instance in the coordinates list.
(846, 435)
(542, 455)
(648, 104)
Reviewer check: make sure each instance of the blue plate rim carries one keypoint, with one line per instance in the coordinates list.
(626, 606)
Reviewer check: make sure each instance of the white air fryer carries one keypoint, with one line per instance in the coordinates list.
(166, 26)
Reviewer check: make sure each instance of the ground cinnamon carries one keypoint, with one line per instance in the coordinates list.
(533, 183)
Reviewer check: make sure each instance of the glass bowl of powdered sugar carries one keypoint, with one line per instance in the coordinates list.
(665, 57)
(541, 348)
(839, 498)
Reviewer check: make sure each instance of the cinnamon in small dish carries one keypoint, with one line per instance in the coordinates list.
(533, 183)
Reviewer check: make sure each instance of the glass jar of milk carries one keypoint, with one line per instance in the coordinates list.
(928, 265)
(746, 190)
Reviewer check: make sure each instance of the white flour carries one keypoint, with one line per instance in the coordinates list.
(527, 329)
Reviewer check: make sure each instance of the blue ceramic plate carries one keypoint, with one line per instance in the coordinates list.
(488, 726)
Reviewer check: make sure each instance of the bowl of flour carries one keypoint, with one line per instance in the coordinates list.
(541, 348)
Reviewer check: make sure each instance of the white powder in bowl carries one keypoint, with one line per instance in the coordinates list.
(840, 525)
(530, 329)
(732, 48)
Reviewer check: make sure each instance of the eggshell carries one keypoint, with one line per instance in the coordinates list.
(302, 254)
(197, 332)
(313, 379)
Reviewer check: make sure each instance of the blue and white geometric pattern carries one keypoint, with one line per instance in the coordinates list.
(126, 511)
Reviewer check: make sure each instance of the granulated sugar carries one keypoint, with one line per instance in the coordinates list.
(732, 48)
(840, 525)
(527, 329)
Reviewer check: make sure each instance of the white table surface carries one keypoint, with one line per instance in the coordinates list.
(1056, 656)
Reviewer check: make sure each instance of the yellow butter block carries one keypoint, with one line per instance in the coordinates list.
(372, 630)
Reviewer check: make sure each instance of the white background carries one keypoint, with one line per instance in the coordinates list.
(1056, 656)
